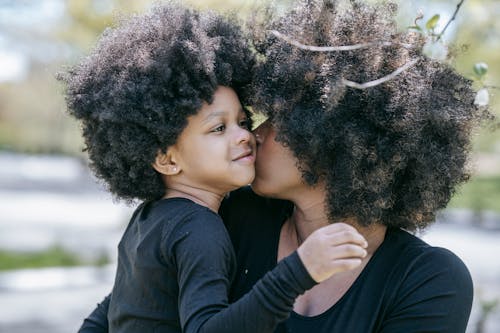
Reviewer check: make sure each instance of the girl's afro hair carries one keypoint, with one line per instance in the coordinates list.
(135, 91)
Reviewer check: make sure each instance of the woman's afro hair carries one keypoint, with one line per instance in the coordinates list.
(134, 92)
(393, 153)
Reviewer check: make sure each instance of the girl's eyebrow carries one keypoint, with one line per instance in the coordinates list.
(214, 115)
(219, 114)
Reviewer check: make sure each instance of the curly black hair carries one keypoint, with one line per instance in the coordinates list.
(390, 154)
(134, 92)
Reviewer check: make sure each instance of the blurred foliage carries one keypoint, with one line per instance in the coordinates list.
(479, 33)
(480, 193)
(55, 256)
(32, 111)
(87, 19)
(32, 116)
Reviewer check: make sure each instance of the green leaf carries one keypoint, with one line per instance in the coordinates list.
(480, 69)
(431, 24)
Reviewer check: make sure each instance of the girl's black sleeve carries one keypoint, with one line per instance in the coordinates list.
(97, 321)
(205, 267)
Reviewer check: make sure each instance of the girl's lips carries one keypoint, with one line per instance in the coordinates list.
(248, 157)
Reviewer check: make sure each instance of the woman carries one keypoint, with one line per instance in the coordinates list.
(384, 159)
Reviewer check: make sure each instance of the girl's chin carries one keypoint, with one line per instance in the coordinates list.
(243, 181)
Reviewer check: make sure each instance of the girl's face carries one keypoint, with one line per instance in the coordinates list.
(276, 172)
(216, 150)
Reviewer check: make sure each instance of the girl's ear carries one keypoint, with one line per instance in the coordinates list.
(165, 163)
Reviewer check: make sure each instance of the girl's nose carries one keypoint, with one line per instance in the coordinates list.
(243, 135)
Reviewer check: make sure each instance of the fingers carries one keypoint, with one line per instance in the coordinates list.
(335, 266)
(340, 233)
(347, 251)
(332, 249)
(338, 226)
(343, 237)
(342, 265)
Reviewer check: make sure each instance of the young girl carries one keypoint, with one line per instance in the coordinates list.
(162, 125)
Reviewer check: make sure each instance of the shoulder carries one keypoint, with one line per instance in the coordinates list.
(430, 282)
(415, 251)
(421, 286)
(244, 205)
(248, 215)
(191, 216)
(180, 217)
(188, 229)
(420, 266)
(240, 199)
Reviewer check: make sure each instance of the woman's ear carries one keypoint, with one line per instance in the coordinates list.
(165, 163)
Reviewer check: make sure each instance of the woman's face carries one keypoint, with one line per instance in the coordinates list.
(276, 172)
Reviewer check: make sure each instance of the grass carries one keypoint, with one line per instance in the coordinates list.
(54, 256)
(480, 193)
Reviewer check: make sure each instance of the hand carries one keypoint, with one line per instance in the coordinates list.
(332, 249)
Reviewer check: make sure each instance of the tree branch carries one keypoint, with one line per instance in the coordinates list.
(382, 79)
(452, 18)
(334, 48)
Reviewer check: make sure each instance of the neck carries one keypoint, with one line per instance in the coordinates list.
(374, 235)
(310, 213)
(200, 196)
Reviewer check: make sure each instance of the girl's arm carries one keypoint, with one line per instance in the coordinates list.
(204, 260)
(206, 265)
(210, 317)
(97, 321)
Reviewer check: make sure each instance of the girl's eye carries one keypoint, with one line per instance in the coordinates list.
(219, 128)
(245, 123)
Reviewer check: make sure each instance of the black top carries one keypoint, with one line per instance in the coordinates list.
(407, 286)
(175, 266)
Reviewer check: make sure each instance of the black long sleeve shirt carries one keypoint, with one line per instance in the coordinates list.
(175, 267)
(407, 286)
